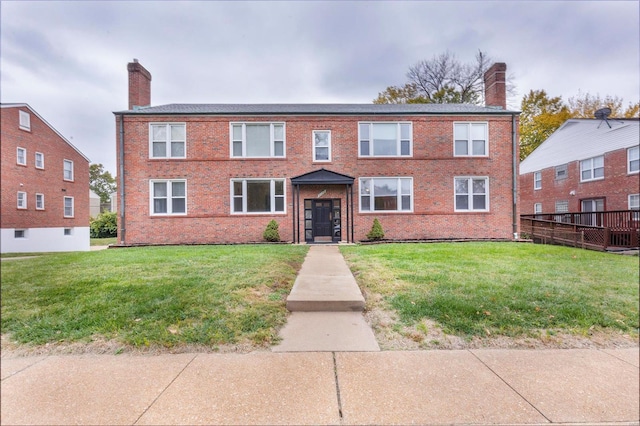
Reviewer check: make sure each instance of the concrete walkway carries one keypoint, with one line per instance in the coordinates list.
(585, 386)
(326, 307)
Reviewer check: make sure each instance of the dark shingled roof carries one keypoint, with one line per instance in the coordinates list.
(322, 176)
(314, 109)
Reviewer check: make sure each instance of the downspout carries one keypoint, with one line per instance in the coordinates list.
(514, 183)
(121, 173)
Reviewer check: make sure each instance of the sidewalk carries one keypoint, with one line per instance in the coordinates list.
(345, 388)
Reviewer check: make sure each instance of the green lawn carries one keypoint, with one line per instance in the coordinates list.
(103, 241)
(501, 289)
(151, 296)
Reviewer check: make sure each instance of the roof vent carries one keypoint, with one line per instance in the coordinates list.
(603, 114)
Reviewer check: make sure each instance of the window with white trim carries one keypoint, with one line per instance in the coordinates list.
(257, 140)
(21, 157)
(257, 196)
(25, 120)
(537, 180)
(39, 160)
(39, 201)
(634, 204)
(633, 159)
(385, 139)
(470, 139)
(537, 208)
(386, 194)
(68, 206)
(168, 197)
(68, 170)
(562, 206)
(321, 145)
(471, 193)
(592, 169)
(167, 140)
(22, 200)
(561, 171)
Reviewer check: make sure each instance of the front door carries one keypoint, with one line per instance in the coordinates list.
(322, 220)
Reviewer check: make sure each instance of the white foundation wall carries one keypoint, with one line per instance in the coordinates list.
(44, 240)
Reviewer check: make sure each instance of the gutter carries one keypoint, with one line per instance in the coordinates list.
(514, 183)
(121, 185)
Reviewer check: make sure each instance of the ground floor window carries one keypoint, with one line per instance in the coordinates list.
(257, 196)
(634, 204)
(390, 194)
(537, 208)
(20, 233)
(68, 206)
(168, 197)
(471, 194)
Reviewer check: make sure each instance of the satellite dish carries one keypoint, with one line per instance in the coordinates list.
(603, 113)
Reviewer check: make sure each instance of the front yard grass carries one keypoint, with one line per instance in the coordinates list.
(150, 296)
(481, 290)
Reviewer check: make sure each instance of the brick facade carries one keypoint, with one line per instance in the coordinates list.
(48, 181)
(208, 169)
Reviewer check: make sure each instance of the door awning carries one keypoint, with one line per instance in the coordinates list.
(322, 177)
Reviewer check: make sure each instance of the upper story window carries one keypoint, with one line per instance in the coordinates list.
(470, 139)
(68, 206)
(633, 159)
(25, 120)
(168, 197)
(592, 168)
(471, 194)
(22, 200)
(255, 140)
(385, 139)
(68, 170)
(537, 180)
(21, 157)
(561, 171)
(257, 196)
(321, 145)
(39, 160)
(386, 194)
(168, 140)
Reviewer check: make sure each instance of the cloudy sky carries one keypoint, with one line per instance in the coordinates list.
(68, 59)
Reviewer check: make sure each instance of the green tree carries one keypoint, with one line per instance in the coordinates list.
(540, 117)
(376, 233)
(101, 182)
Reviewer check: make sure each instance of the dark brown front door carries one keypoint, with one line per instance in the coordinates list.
(322, 218)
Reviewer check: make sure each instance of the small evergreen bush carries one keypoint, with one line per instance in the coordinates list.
(104, 226)
(271, 234)
(376, 233)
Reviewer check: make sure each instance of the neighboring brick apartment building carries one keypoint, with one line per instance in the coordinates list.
(45, 186)
(218, 173)
(586, 165)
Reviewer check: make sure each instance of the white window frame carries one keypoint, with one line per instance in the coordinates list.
(24, 120)
(470, 194)
(169, 197)
(470, 125)
(21, 154)
(64, 207)
(243, 138)
(634, 204)
(537, 208)
(67, 172)
(22, 200)
(314, 147)
(168, 141)
(39, 201)
(537, 180)
(272, 196)
(588, 165)
(399, 139)
(39, 160)
(633, 157)
(372, 195)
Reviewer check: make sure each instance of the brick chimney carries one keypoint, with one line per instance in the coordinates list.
(495, 86)
(139, 85)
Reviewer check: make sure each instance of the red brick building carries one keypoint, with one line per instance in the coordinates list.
(218, 173)
(45, 186)
(586, 165)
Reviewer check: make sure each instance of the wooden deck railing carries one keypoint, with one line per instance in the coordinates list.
(594, 230)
